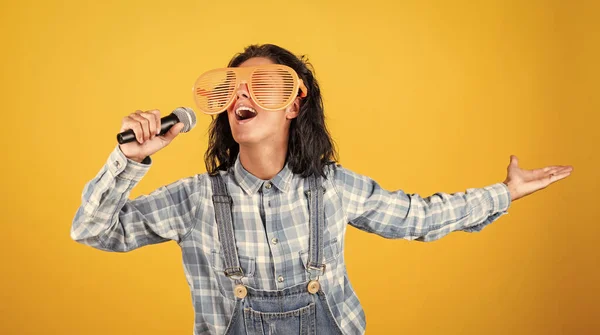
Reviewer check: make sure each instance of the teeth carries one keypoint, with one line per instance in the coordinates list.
(242, 108)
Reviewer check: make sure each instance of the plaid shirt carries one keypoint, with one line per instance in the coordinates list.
(271, 228)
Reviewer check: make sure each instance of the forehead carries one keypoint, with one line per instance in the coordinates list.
(256, 61)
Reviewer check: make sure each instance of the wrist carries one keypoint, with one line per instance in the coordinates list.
(511, 190)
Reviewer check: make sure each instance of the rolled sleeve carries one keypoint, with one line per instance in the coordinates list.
(500, 197)
(499, 202)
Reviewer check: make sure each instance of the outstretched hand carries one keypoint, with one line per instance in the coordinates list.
(524, 182)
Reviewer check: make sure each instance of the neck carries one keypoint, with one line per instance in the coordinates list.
(264, 161)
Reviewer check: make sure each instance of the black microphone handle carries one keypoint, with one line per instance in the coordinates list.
(165, 124)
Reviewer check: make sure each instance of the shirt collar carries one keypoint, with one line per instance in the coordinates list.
(251, 184)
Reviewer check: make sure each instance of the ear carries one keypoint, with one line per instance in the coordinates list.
(293, 110)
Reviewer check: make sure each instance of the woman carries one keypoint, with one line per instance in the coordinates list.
(262, 233)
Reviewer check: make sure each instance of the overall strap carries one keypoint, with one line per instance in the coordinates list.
(315, 267)
(222, 202)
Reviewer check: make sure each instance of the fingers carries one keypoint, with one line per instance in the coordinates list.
(545, 181)
(129, 122)
(140, 126)
(553, 167)
(549, 168)
(561, 170)
(174, 131)
(560, 174)
(156, 114)
(558, 170)
(153, 122)
(145, 125)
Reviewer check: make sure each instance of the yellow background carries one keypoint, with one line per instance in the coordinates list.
(423, 96)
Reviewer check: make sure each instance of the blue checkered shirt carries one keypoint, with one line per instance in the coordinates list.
(271, 228)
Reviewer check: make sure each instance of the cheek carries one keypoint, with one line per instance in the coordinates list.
(231, 119)
(275, 118)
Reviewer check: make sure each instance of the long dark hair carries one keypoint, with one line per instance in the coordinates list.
(310, 146)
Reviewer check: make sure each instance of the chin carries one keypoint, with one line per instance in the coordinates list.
(247, 135)
(246, 138)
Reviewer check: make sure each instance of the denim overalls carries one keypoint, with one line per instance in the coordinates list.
(301, 309)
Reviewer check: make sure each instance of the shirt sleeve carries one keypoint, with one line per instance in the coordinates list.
(395, 214)
(108, 220)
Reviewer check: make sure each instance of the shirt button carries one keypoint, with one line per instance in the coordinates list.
(117, 164)
(280, 279)
(274, 240)
(268, 185)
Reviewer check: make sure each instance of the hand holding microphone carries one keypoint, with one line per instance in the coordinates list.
(144, 133)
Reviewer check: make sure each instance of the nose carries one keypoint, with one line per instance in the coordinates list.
(242, 91)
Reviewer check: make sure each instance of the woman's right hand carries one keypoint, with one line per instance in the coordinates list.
(146, 125)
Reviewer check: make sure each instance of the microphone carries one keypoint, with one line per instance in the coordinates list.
(184, 115)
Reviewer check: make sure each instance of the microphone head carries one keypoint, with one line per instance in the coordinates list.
(186, 116)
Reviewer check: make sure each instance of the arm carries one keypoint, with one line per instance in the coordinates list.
(399, 215)
(108, 220)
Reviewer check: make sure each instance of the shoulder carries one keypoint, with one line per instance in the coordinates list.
(332, 169)
(339, 174)
(341, 177)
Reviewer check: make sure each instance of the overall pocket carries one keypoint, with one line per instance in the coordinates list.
(300, 321)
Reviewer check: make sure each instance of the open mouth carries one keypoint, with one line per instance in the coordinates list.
(245, 113)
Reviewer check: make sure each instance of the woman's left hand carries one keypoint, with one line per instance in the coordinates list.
(524, 182)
